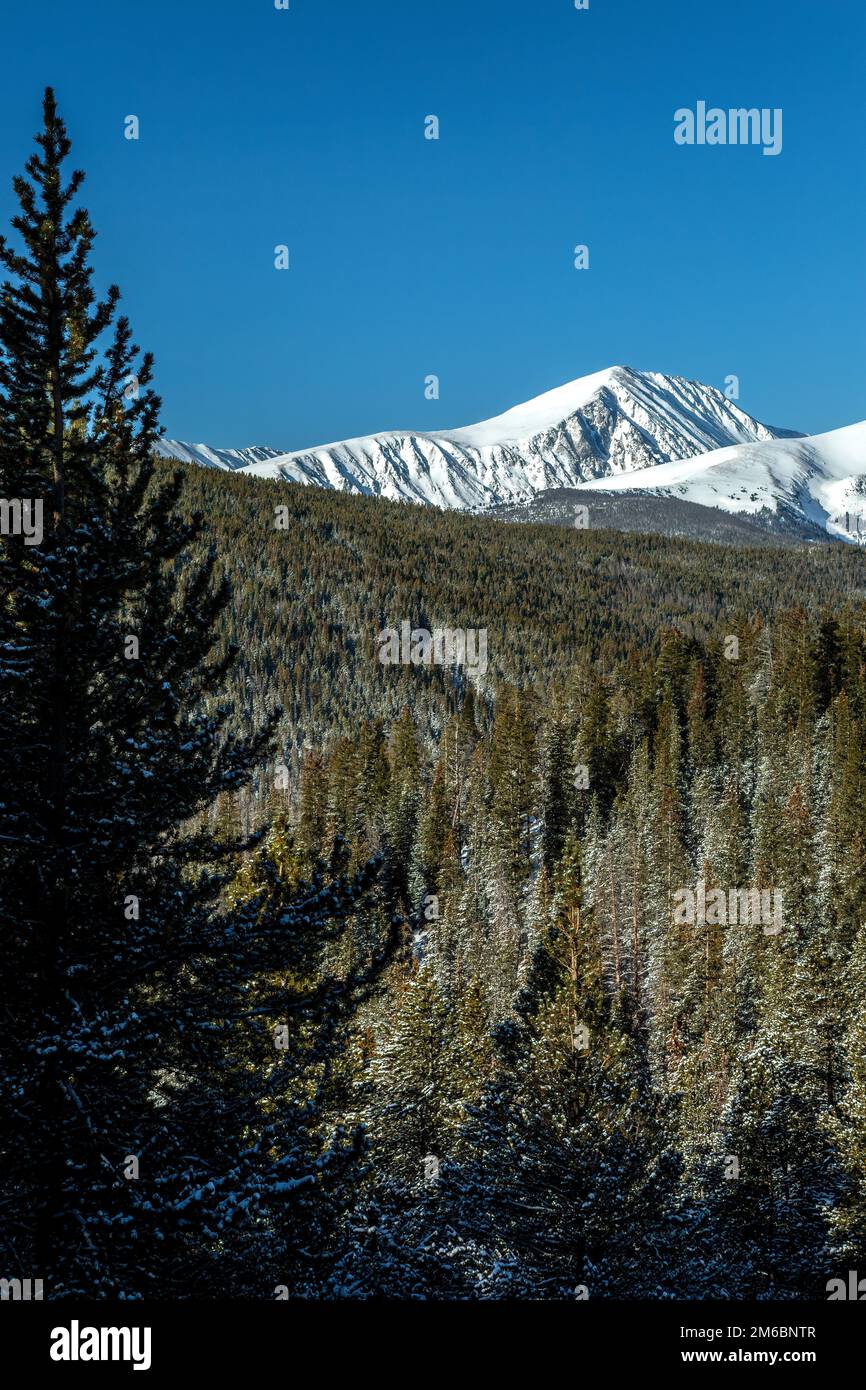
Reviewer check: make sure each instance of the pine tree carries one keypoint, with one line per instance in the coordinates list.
(402, 807)
(288, 1022)
(557, 790)
(312, 808)
(137, 1155)
(415, 1107)
(562, 1175)
(847, 1128)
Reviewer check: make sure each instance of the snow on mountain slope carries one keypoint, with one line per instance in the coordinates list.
(616, 430)
(606, 424)
(231, 460)
(820, 478)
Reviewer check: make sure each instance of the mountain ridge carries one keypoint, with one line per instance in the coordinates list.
(612, 421)
(618, 428)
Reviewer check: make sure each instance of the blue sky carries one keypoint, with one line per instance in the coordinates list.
(455, 257)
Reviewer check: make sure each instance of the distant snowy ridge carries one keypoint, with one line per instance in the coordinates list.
(232, 460)
(608, 423)
(819, 479)
(618, 430)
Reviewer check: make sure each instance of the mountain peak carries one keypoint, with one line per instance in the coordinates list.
(606, 424)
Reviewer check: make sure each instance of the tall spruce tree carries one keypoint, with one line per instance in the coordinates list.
(139, 1155)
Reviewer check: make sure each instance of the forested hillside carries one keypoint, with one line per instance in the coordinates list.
(565, 1084)
(310, 596)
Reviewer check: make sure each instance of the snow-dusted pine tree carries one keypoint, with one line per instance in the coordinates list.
(152, 1134)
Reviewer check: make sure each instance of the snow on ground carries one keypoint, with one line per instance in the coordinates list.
(822, 476)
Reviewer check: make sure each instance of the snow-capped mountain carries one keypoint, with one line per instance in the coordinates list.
(620, 431)
(231, 460)
(610, 423)
(819, 479)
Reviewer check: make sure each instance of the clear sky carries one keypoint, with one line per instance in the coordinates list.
(410, 257)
